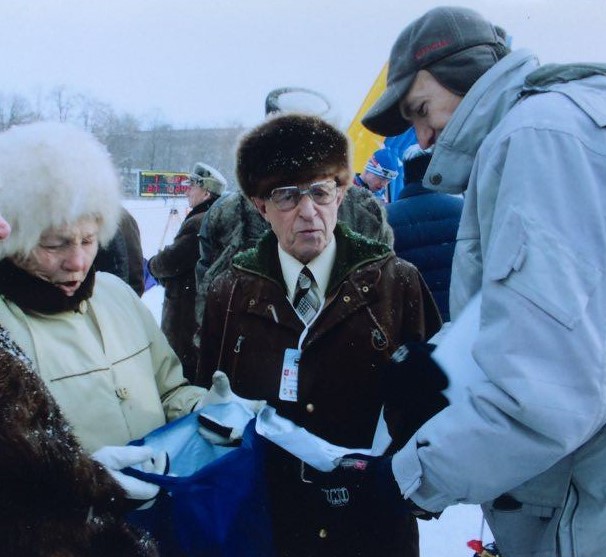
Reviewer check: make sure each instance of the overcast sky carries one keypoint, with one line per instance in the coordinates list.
(212, 62)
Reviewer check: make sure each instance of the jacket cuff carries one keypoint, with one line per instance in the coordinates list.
(406, 469)
(408, 472)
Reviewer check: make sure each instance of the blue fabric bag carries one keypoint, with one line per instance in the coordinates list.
(213, 502)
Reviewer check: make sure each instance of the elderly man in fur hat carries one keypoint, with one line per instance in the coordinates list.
(90, 338)
(305, 320)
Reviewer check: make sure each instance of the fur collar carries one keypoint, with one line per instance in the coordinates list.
(32, 293)
(201, 207)
(353, 251)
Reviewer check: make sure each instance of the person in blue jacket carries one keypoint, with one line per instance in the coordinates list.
(397, 145)
(425, 226)
(379, 172)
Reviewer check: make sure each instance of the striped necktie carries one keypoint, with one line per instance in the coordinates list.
(306, 301)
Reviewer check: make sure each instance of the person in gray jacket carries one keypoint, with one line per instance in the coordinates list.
(528, 145)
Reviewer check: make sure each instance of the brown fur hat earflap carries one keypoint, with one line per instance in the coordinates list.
(291, 149)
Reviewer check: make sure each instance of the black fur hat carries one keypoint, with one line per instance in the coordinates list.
(291, 149)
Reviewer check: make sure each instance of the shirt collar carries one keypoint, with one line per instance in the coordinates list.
(321, 267)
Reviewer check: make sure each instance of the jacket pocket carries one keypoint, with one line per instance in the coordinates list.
(534, 263)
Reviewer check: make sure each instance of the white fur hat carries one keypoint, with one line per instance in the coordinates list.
(52, 175)
(208, 177)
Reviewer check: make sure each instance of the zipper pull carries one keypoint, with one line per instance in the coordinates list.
(238, 344)
(378, 339)
(272, 310)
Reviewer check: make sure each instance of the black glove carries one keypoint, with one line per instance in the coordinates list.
(412, 385)
(374, 475)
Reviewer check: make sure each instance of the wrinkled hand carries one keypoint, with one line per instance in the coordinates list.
(114, 459)
(412, 385)
(230, 431)
(383, 492)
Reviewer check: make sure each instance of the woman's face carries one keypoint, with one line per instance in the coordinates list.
(64, 255)
(5, 229)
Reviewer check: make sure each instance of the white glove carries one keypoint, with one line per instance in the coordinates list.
(221, 393)
(229, 431)
(143, 458)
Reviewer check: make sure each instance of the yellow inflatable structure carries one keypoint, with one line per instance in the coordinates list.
(365, 143)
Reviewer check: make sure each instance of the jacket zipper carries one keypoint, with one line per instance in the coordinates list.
(238, 346)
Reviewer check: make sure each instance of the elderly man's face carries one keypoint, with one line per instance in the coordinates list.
(196, 195)
(305, 230)
(428, 106)
(64, 255)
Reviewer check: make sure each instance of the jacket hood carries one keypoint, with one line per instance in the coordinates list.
(480, 111)
(588, 93)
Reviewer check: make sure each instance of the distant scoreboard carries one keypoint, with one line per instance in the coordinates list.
(163, 184)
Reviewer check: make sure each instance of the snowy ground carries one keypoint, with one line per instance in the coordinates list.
(446, 537)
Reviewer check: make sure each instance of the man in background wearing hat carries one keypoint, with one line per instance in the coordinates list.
(305, 320)
(379, 173)
(174, 267)
(527, 145)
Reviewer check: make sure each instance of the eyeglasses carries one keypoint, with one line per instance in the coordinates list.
(193, 181)
(288, 197)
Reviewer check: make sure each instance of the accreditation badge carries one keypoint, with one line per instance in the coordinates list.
(289, 380)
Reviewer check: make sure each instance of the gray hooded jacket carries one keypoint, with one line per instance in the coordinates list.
(528, 441)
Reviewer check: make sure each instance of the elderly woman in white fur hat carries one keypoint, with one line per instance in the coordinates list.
(91, 339)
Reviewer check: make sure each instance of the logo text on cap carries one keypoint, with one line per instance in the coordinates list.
(430, 48)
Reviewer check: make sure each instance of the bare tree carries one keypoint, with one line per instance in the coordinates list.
(94, 116)
(158, 143)
(14, 109)
(62, 102)
(148, 143)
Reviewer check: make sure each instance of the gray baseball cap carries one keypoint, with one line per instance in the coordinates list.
(444, 32)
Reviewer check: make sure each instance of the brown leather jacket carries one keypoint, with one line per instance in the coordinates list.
(174, 267)
(374, 303)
